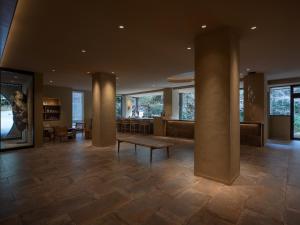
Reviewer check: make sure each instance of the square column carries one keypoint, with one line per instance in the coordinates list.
(254, 102)
(168, 102)
(217, 123)
(104, 110)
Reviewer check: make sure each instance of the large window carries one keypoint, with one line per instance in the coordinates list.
(280, 101)
(150, 106)
(118, 106)
(77, 107)
(241, 104)
(187, 106)
(144, 105)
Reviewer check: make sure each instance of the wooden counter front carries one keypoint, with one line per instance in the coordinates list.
(251, 133)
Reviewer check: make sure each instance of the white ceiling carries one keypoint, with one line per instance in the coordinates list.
(51, 33)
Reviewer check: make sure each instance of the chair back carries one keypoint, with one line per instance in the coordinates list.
(79, 125)
(60, 130)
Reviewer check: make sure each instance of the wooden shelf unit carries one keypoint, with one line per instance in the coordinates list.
(51, 109)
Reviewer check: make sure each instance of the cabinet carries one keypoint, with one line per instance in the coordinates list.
(51, 109)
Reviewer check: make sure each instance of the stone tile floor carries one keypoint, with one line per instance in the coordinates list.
(74, 183)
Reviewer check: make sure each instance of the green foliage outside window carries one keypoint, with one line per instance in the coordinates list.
(241, 104)
(280, 101)
(150, 105)
(118, 106)
(297, 118)
(187, 107)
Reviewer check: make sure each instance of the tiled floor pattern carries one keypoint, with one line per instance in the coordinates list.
(74, 183)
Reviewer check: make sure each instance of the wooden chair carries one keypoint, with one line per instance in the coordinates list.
(79, 127)
(144, 126)
(134, 125)
(62, 132)
(118, 123)
(125, 125)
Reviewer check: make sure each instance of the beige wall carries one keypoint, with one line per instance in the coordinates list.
(65, 96)
(279, 127)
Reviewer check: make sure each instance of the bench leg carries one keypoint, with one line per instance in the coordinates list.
(151, 149)
(168, 152)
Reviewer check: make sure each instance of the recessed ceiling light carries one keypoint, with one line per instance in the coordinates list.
(121, 27)
(253, 28)
(88, 72)
(51, 81)
(188, 48)
(53, 70)
(83, 51)
(241, 74)
(113, 72)
(117, 78)
(248, 69)
(203, 26)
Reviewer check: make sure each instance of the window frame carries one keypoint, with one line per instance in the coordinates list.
(293, 96)
(269, 100)
(121, 97)
(82, 106)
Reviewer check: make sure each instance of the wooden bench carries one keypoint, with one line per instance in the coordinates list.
(146, 142)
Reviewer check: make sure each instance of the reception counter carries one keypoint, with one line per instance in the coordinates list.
(251, 133)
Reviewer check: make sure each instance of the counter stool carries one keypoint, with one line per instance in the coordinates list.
(134, 125)
(144, 126)
(125, 125)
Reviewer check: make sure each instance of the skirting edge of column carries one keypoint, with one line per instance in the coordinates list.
(230, 182)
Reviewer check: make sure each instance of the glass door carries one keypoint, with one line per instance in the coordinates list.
(296, 112)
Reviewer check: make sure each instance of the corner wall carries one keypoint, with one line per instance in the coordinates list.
(65, 96)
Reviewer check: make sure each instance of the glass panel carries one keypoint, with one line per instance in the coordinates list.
(296, 90)
(77, 107)
(118, 106)
(150, 106)
(187, 107)
(241, 104)
(297, 118)
(16, 98)
(280, 100)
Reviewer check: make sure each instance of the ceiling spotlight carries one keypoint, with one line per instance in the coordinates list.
(88, 72)
(188, 48)
(248, 69)
(113, 72)
(51, 81)
(83, 51)
(253, 28)
(203, 26)
(53, 70)
(121, 27)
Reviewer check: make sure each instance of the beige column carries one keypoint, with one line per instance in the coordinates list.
(38, 109)
(254, 97)
(168, 102)
(104, 112)
(217, 128)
